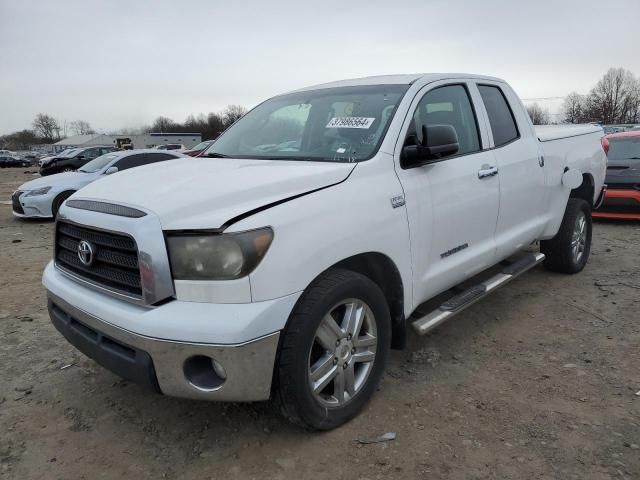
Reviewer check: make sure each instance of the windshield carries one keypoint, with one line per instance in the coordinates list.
(99, 163)
(69, 152)
(344, 124)
(624, 148)
(201, 145)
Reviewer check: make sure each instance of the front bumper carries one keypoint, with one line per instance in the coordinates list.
(32, 207)
(177, 369)
(171, 347)
(620, 204)
(49, 170)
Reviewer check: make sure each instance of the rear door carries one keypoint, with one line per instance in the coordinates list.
(452, 206)
(520, 168)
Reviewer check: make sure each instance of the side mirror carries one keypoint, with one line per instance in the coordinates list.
(438, 141)
(110, 170)
(80, 157)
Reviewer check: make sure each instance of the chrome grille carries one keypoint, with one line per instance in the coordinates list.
(114, 261)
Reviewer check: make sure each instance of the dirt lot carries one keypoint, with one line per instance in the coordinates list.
(537, 382)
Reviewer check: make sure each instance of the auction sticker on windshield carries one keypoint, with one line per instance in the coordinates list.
(350, 122)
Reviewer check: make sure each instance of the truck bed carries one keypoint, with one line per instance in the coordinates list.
(547, 133)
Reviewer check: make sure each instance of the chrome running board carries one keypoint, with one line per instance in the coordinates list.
(475, 293)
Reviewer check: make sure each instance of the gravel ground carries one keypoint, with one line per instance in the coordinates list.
(539, 381)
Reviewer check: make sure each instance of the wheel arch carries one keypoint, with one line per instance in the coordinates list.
(586, 190)
(62, 196)
(379, 268)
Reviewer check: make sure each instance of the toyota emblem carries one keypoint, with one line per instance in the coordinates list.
(85, 252)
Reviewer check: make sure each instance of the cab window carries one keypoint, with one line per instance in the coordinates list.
(131, 161)
(448, 105)
(503, 125)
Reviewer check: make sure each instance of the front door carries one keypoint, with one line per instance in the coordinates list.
(452, 205)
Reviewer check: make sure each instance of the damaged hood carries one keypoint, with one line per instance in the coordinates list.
(204, 193)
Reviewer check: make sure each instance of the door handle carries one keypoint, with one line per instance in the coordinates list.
(487, 171)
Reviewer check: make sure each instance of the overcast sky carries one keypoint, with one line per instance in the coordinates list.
(121, 63)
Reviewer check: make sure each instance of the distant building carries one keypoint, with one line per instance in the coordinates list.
(145, 140)
(77, 141)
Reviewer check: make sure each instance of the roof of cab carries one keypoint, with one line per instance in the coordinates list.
(406, 79)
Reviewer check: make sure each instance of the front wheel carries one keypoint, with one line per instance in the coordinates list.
(57, 202)
(333, 350)
(569, 250)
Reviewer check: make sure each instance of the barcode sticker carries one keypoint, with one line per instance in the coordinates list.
(350, 122)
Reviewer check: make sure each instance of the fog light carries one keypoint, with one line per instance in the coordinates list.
(219, 369)
(204, 373)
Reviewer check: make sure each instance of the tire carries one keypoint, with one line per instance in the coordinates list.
(57, 202)
(568, 251)
(67, 169)
(302, 347)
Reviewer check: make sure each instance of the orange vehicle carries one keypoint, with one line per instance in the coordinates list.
(622, 198)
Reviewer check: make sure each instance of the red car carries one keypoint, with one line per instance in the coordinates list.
(622, 199)
(198, 149)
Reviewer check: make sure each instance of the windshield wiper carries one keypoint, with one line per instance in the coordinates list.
(216, 155)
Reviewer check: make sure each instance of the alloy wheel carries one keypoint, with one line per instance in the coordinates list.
(342, 353)
(579, 238)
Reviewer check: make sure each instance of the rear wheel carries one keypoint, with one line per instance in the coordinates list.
(57, 202)
(67, 169)
(569, 250)
(333, 350)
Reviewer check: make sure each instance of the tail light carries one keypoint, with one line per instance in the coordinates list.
(605, 145)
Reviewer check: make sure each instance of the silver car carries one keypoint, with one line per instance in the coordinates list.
(43, 196)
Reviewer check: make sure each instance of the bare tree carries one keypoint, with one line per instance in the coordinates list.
(632, 103)
(573, 108)
(46, 127)
(81, 127)
(232, 114)
(215, 126)
(19, 140)
(539, 116)
(615, 98)
(163, 125)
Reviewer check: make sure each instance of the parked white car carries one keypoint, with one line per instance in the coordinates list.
(287, 263)
(43, 196)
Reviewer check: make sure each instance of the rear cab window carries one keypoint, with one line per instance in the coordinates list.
(501, 119)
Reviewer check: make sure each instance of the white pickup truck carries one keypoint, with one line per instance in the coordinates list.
(321, 225)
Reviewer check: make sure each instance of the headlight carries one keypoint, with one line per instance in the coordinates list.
(39, 191)
(222, 256)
